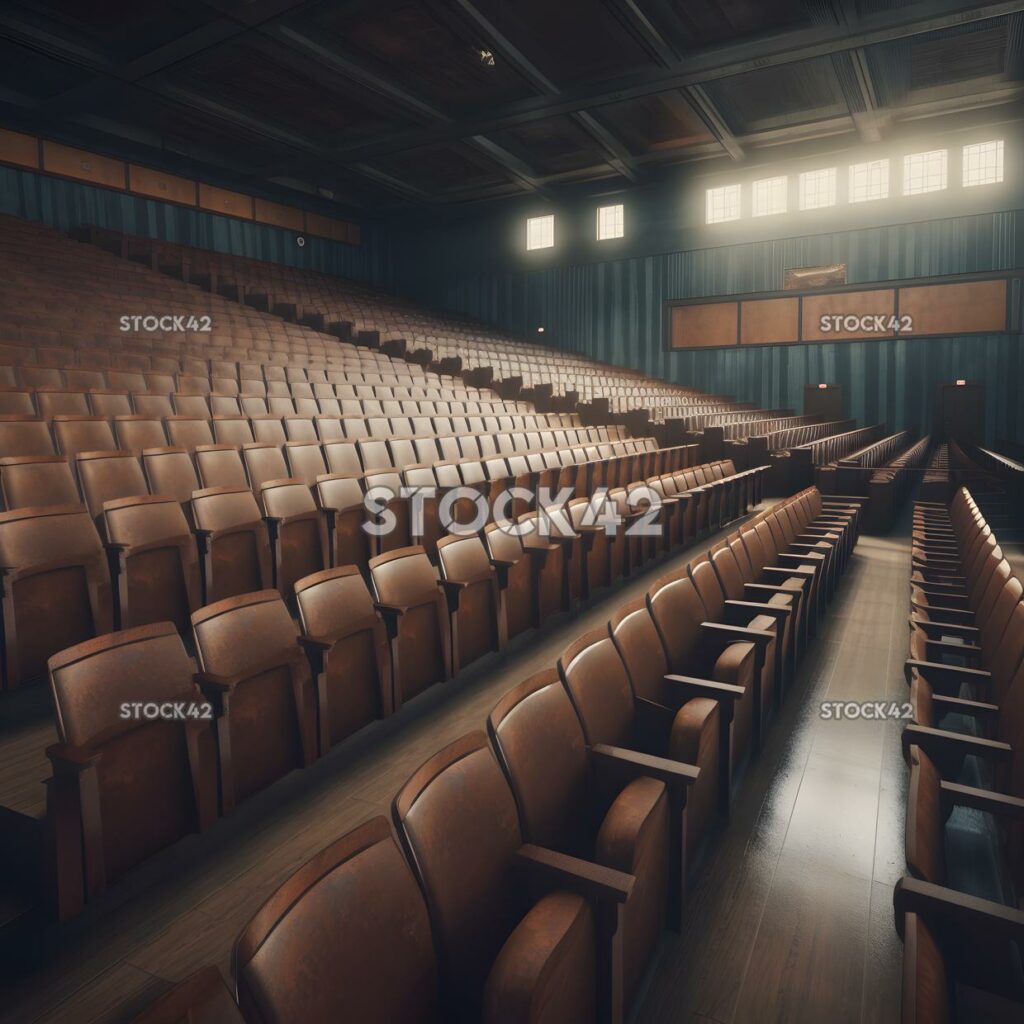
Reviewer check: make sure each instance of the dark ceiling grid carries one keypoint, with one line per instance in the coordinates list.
(681, 82)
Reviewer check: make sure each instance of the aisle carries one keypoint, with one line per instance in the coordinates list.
(791, 919)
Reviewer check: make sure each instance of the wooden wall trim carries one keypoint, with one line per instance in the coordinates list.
(956, 304)
(45, 156)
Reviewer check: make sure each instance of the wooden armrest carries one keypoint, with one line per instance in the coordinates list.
(937, 668)
(638, 765)
(724, 631)
(390, 609)
(778, 570)
(776, 611)
(770, 588)
(950, 648)
(958, 910)
(939, 742)
(67, 759)
(692, 686)
(592, 881)
(944, 628)
(961, 705)
(984, 800)
(317, 643)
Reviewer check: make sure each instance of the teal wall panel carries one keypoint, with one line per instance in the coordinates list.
(69, 204)
(613, 310)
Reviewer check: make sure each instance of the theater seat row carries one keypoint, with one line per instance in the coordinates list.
(364, 648)
(527, 873)
(58, 575)
(958, 910)
(70, 434)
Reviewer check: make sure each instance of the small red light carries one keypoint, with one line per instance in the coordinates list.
(822, 387)
(960, 383)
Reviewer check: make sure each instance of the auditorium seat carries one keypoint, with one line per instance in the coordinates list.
(943, 983)
(757, 615)
(514, 570)
(340, 497)
(550, 578)
(258, 679)
(407, 591)
(503, 944)
(298, 534)
(390, 517)
(124, 788)
(170, 471)
(701, 731)
(33, 481)
(25, 435)
(136, 433)
(16, 401)
(105, 476)
(56, 586)
(723, 652)
(946, 849)
(595, 545)
(347, 643)
(188, 432)
(611, 715)
(220, 465)
(736, 583)
(234, 546)
(75, 434)
(355, 919)
(153, 561)
(590, 801)
(475, 607)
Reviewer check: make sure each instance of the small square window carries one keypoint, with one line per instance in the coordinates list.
(818, 189)
(609, 222)
(869, 181)
(983, 163)
(924, 172)
(540, 232)
(769, 196)
(723, 204)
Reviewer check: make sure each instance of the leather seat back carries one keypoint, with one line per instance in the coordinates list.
(354, 920)
(599, 686)
(459, 825)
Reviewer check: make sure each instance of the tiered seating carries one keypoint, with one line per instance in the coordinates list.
(549, 852)
(356, 311)
(936, 483)
(958, 909)
(889, 486)
(792, 454)
(849, 474)
(169, 497)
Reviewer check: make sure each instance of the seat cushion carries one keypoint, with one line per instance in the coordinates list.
(546, 971)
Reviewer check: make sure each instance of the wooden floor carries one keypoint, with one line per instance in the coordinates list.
(790, 919)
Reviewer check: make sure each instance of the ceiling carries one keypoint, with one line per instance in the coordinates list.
(378, 105)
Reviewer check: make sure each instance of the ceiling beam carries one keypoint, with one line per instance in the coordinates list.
(410, 103)
(145, 74)
(704, 66)
(851, 69)
(661, 50)
(617, 155)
